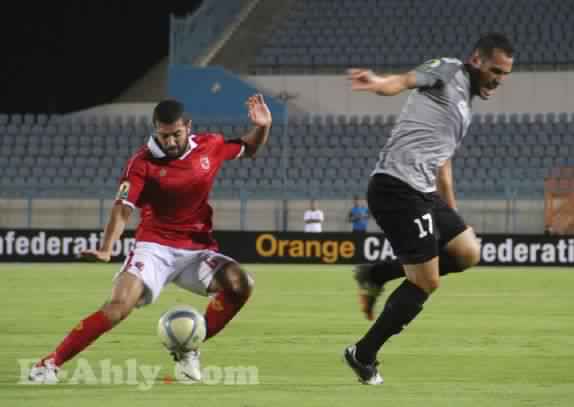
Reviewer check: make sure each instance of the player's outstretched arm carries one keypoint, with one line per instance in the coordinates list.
(390, 85)
(119, 218)
(445, 184)
(260, 116)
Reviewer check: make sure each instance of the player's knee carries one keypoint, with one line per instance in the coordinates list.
(432, 284)
(116, 311)
(428, 284)
(470, 256)
(238, 281)
(244, 284)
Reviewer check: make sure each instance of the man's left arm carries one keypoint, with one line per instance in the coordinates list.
(253, 139)
(445, 184)
(261, 118)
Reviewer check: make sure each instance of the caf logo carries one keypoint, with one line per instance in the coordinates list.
(123, 191)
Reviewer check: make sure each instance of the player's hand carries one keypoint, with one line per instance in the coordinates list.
(95, 255)
(258, 111)
(362, 79)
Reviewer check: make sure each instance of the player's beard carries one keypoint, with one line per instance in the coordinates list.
(474, 75)
(175, 151)
(479, 87)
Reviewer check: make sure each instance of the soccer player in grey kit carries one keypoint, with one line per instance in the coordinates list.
(410, 192)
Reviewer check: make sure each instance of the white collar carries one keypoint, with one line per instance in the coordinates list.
(157, 152)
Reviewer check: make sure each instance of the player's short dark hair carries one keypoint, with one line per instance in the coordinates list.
(168, 111)
(490, 41)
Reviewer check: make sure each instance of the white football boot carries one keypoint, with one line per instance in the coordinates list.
(44, 372)
(188, 365)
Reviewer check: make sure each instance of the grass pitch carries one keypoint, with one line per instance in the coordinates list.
(488, 337)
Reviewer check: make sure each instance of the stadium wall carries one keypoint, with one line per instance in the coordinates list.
(523, 92)
(486, 216)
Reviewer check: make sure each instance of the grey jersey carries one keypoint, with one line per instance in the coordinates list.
(432, 124)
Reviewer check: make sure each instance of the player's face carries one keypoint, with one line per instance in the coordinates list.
(492, 72)
(172, 137)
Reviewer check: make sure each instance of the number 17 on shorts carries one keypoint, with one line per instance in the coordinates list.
(425, 225)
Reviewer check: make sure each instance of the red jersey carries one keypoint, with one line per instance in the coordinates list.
(172, 194)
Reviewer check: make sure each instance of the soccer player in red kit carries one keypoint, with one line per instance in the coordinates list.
(169, 180)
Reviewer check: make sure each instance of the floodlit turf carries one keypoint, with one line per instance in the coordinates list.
(489, 337)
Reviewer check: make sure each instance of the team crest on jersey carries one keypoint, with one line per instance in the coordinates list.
(162, 172)
(431, 64)
(123, 191)
(204, 162)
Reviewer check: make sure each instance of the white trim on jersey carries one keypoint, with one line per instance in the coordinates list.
(156, 151)
(240, 153)
(191, 145)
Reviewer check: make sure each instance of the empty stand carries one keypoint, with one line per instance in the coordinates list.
(325, 156)
(331, 35)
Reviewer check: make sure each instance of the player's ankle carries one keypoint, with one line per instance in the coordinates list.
(366, 358)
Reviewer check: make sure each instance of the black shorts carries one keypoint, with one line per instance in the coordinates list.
(417, 224)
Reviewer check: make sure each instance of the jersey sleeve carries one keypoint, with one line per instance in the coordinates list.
(229, 149)
(132, 182)
(436, 72)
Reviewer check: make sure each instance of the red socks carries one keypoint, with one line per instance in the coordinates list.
(221, 309)
(87, 331)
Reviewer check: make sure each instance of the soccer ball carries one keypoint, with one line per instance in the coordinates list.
(181, 329)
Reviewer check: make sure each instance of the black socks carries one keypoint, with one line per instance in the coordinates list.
(402, 306)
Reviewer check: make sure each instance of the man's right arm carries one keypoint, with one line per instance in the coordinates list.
(127, 198)
(433, 73)
(389, 85)
(119, 218)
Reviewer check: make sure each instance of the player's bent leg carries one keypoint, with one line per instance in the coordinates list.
(369, 288)
(402, 306)
(232, 287)
(126, 292)
(424, 275)
(459, 254)
(464, 250)
(214, 274)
